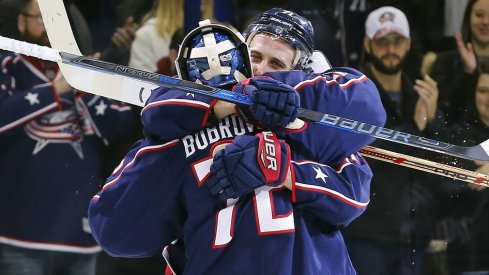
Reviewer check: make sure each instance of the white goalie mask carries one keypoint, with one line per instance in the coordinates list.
(213, 55)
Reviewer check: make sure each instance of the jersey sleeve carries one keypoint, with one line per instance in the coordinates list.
(343, 92)
(137, 212)
(335, 195)
(17, 105)
(102, 113)
(171, 114)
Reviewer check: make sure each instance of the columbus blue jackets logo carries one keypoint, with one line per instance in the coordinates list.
(56, 128)
(386, 17)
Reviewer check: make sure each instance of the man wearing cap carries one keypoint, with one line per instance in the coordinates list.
(394, 228)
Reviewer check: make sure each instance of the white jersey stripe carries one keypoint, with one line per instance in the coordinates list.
(50, 246)
(138, 153)
(28, 117)
(177, 102)
(329, 192)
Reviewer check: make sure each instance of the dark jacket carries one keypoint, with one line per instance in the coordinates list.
(395, 190)
(462, 213)
(454, 85)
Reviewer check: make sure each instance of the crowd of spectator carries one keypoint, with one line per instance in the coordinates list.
(432, 74)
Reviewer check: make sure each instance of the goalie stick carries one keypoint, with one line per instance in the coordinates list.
(120, 83)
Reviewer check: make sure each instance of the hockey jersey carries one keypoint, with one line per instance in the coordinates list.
(157, 195)
(343, 92)
(50, 156)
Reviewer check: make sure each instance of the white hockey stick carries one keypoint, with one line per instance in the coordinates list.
(111, 86)
(426, 166)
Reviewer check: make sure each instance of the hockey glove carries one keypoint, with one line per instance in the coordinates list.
(273, 103)
(248, 163)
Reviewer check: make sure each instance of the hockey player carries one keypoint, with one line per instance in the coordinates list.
(271, 222)
(52, 141)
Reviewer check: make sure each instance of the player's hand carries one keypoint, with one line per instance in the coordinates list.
(273, 103)
(248, 163)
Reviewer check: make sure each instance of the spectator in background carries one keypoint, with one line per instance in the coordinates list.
(339, 26)
(153, 39)
(51, 160)
(455, 70)
(135, 8)
(102, 19)
(166, 64)
(110, 24)
(8, 18)
(120, 43)
(395, 228)
(462, 216)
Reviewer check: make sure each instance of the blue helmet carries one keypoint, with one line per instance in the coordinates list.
(213, 55)
(288, 25)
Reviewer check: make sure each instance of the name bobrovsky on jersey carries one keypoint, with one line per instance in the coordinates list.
(228, 127)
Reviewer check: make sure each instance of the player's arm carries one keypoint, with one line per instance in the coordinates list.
(337, 195)
(343, 92)
(18, 106)
(171, 114)
(112, 120)
(135, 213)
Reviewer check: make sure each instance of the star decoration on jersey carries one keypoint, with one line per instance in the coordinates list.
(190, 94)
(320, 174)
(32, 98)
(101, 107)
(41, 143)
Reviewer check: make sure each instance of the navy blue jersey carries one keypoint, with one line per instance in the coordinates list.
(50, 156)
(157, 195)
(343, 92)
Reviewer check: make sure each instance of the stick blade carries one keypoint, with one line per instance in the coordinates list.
(484, 148)
(111, 86)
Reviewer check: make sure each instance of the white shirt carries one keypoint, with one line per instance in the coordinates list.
(148, 47)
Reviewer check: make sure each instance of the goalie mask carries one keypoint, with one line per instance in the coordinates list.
(213, 55)
(291, 27)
